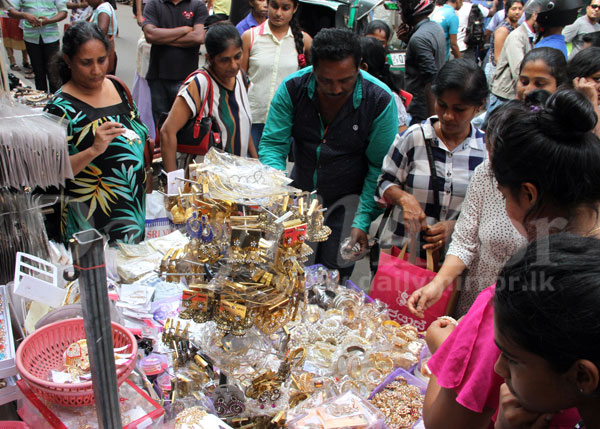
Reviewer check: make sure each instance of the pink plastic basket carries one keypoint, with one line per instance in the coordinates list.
(13, 425)
(42, 352)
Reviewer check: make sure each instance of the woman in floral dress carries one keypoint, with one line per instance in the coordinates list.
(106, 142)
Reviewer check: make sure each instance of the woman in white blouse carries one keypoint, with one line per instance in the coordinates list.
(272, 51)
(484, 239)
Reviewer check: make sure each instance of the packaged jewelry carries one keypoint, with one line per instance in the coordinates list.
(400, 401)
(348, 410)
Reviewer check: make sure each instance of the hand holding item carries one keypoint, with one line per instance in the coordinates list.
(438, 331)
(512, 415)
(355, 246)
(105, 134)
(438, 235)
(423, 298)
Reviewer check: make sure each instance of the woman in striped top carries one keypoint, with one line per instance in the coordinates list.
(230, 100)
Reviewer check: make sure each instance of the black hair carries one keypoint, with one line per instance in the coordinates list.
(585, 63)
(509, 3)
(335, 44)
(511, 110)
(464, 76)
(593, 38)
(215, 18)
(547, 300)
(554, 149)
(297, 33)
(74, 38)
(554, 59)
(373, 54)
(219, 37)
(378, 25)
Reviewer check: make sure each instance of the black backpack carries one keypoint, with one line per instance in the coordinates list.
(475, 33)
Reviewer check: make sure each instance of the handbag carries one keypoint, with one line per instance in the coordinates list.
(396, 278)
(201, 133)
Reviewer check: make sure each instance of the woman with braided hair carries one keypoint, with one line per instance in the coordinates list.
(272, 51)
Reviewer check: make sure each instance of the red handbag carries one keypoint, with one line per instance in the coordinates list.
(397, 278)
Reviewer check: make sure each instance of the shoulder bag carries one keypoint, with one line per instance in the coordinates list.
(199, 133)
(397, 278)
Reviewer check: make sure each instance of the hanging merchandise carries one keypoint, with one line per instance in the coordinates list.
(33, 148)
(21, 230)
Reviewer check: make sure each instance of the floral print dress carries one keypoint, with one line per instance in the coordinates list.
(109, 193)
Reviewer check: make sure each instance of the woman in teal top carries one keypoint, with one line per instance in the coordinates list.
(106, 142)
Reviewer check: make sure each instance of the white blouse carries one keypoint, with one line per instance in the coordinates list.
(270, 62)
(484, 238)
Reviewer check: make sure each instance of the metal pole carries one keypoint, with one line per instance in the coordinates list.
(88, 254)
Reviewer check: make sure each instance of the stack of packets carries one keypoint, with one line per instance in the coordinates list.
(76, 363)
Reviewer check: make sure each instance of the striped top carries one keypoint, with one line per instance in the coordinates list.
(230, 108)
(40, 9)
(270, 62)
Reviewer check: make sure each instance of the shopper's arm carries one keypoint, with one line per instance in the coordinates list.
(179, 114)
(382, 133)
(139, 16)
(246, 41)
(441, 411)
(54, 19)
(454, 46)
(570, 31)
(30, 18)
(104, 22)
(164, 36)
(274, 144)
(500, 36)
(191, 39)
(105, 133)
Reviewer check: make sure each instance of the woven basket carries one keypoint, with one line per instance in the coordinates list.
(42, 352)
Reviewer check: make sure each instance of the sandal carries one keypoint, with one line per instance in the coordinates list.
(29, 75)
(27, 67)
(15, 67)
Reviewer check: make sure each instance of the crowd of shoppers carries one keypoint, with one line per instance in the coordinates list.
(487, 200)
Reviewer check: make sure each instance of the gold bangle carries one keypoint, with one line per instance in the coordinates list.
(391, 323)
(385, 365)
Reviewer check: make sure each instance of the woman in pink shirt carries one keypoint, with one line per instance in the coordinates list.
(550, 353)
(545, 161)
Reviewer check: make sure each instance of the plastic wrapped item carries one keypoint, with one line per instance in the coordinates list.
(351, 253)
(242, 180)
(346, 411)
(138, 410)
(153, 364)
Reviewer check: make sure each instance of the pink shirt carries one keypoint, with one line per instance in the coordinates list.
(465, 362)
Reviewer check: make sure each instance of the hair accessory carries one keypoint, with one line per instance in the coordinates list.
(534, 108)
(301, 60)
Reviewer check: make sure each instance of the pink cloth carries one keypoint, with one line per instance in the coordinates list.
(465, 362)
